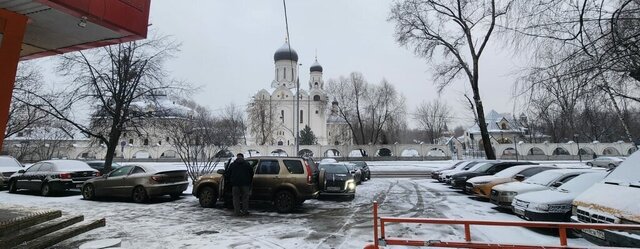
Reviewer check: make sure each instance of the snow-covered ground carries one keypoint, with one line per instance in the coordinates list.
(318, 224)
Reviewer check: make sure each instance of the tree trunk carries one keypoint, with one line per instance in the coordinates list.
(620, 116)
(112, 145)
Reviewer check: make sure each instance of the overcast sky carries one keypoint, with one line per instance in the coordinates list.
(228, 46)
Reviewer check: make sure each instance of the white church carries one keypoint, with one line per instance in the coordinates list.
(314, 111)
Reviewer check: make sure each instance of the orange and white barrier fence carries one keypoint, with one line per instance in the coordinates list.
(382, 240)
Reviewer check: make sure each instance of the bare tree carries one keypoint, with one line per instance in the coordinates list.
(433, 118)
(458, 29)
(262, 119)
(197, 141)
(234, 121)
(22, 113)
(370, 111)
(113, 81)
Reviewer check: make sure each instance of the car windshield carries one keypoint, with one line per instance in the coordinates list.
(360, 164)
(71, 166)
(350, 166)
(470, 165)
(334, 168)
(544, 178)
(510, 172)
(8, 162)
(482, 167)
(582, 182)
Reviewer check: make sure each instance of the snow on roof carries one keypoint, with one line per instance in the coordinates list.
(493, 120)
(336, 119)
(163, 105)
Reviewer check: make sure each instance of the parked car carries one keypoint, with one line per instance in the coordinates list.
(614, 200)
(366, 173)
(503, 194)
(554, 204)
(140, 182)
(8, 166)
(459, 180)
(338, 180)
(481, 185)
(52, 176)
(445, 175)
(99, 165)
(436, 173)
(606, 162)
(285, 181)
(355, 171)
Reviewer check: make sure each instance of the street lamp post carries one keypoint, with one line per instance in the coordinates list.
(297, 135)
(575, 136)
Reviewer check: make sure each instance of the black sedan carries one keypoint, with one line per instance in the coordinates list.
(364, 168)
(459, 180)
(337, 181)
(52, 176)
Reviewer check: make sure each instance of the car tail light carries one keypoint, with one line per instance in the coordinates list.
(309, 174)
(65, 176)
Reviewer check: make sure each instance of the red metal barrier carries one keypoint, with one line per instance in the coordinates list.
(468, 243)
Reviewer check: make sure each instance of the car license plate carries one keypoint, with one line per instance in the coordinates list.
(595, 233)
(518, 211)
(79, 185)
(333, 188)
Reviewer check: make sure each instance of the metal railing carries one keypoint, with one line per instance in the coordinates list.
(382, 240)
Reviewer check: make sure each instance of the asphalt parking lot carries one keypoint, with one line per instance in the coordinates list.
(317, 224)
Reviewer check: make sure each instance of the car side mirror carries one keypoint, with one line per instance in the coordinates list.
(220, 171)
(556, 184)
(519, 177)
(21, 171)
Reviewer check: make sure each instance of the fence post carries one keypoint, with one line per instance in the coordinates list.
(375, 224)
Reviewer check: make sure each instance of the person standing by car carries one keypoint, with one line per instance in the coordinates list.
(241, 176)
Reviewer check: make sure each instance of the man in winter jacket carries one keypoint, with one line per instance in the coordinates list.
(241, 176)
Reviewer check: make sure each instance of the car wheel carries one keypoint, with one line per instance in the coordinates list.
(45, 190)
(300, 202)
(284, 201)
(88, 192)
(611, 166)
(13, 186)
(590, 164)
(139, 195)
(207, 197)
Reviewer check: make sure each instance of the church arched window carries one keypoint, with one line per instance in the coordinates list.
(316, 84)
(282, 115)
(316, 97)
(291, 74)
(301, 116)
(284, 74)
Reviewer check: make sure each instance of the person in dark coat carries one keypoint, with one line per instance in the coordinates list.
(241, 176)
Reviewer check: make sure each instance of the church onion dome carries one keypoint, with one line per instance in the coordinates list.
(316, 67)
(284, 53)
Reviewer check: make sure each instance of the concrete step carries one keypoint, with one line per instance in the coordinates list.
(60, 235)
(36, 231)
(9, 226)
